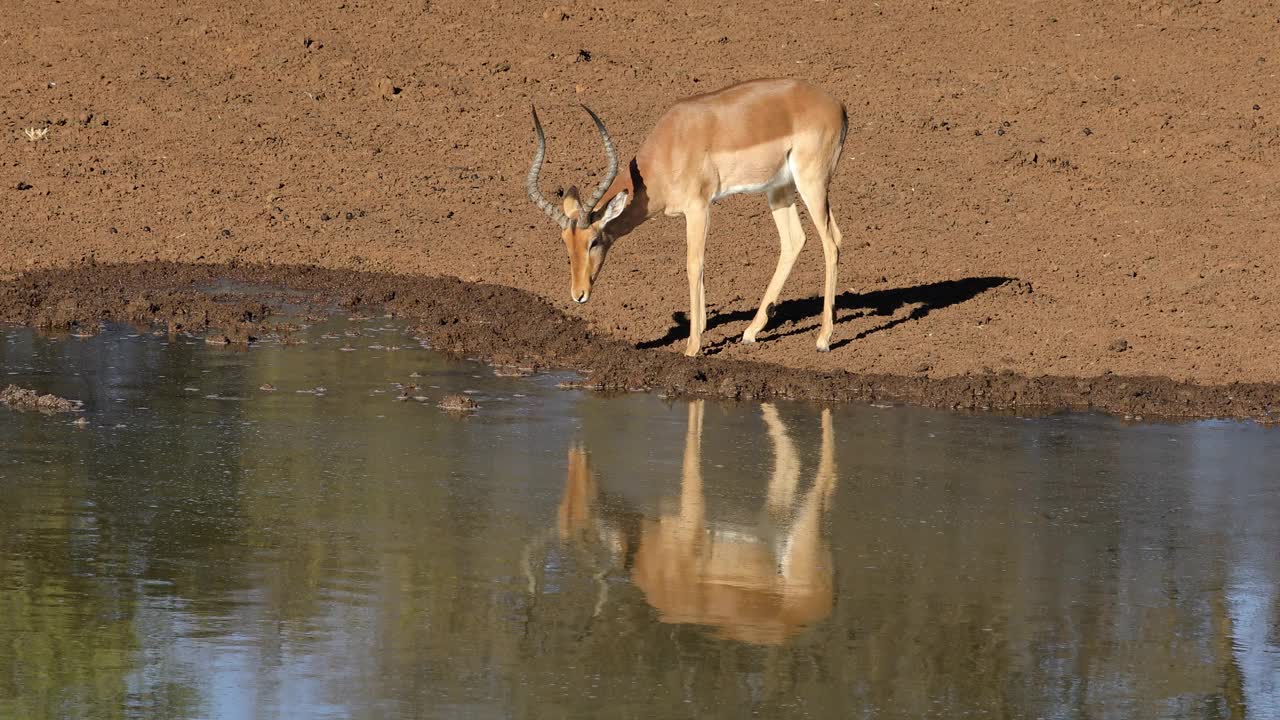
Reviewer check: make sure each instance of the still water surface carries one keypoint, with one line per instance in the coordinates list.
(204, 548)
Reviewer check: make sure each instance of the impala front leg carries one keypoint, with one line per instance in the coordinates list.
(696, 230)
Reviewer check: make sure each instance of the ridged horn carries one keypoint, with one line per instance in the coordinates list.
(584, 219)
(531, 183)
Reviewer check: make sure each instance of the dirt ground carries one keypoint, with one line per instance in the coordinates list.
(1028, 190)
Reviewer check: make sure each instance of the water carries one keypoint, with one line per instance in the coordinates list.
(203, 548)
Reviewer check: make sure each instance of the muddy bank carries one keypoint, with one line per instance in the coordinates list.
(510, 327)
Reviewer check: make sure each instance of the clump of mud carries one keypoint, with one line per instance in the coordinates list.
(458, 403)
(83, 299)
(20, 398)
(238, 333)
(512, 371)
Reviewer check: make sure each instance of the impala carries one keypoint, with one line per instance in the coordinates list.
(778, 137)
(760, 582)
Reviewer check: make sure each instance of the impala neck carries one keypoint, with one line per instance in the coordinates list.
(642, 206)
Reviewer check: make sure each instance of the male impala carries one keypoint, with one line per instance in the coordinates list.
(759, 582)
(775, 136)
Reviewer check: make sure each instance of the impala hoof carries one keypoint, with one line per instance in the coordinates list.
(824, 346)
(748, 339)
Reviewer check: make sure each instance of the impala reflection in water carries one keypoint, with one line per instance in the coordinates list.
(761, 582)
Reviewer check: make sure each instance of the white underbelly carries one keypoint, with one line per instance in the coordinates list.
(782, 178)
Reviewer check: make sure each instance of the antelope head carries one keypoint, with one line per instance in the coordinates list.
(582, 226)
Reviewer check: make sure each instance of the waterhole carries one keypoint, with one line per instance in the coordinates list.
(308, 530)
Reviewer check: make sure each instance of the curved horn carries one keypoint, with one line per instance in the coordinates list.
(531, 184)
(609, 174)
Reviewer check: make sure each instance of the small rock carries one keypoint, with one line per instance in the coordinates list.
(385, 89)
(923, 367)
(1118, 345)
(23, 185)
(458, 403)
(268, 387)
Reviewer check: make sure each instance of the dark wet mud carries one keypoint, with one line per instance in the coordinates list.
(512, 328)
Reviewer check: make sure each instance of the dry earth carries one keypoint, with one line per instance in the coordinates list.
(1070, 190)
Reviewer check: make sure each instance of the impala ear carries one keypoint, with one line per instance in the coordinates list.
(572, 203)
(613, 209)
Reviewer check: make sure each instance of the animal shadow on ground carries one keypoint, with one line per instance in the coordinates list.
(879, 303)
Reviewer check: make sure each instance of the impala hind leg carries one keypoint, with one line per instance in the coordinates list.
(696, 231)
(786, 216)
(814, 195)
(805, 560)
(786, 464)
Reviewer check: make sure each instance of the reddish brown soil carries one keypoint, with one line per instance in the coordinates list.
(1118, 163)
